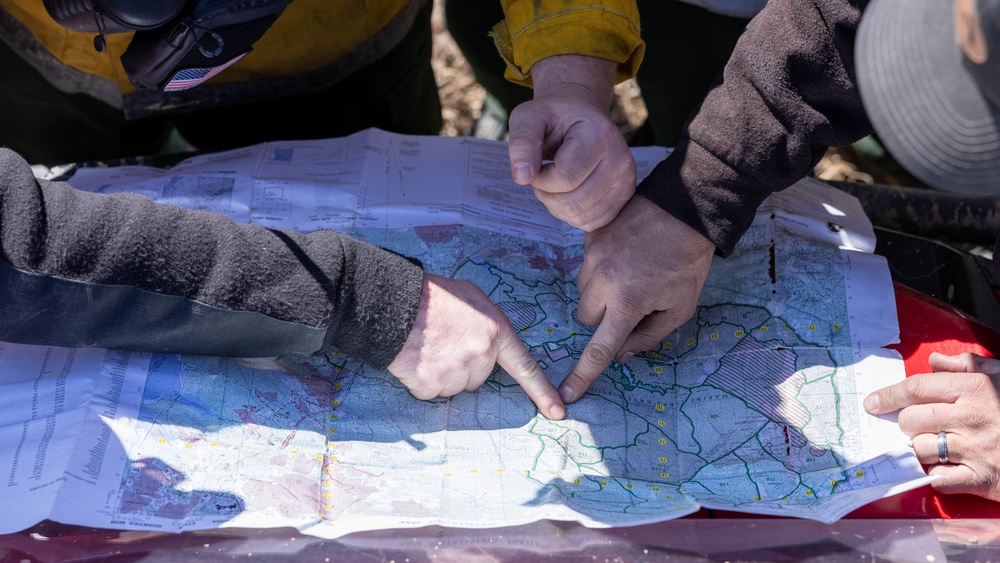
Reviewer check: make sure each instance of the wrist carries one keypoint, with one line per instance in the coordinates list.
(589, 79)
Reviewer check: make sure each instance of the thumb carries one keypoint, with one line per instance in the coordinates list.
(525, 141)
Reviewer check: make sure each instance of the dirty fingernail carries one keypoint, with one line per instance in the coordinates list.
(522, 172)
(567, 394)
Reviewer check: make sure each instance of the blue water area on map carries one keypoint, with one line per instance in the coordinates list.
(165, 383)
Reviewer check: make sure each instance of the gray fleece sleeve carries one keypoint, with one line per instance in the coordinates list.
(787, 94)
(120, 271)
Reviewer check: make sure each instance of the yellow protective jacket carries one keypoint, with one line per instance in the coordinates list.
(536, 29)
(313, 45)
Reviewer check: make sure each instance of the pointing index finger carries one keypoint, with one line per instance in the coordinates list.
(514, 357)
(918, 389)
(597, 356)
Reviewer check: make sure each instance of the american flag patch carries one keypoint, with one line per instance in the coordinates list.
(191, 77)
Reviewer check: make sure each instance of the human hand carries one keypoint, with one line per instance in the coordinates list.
(641, 278)
(592, 173)
(457, 338)
(961, 397)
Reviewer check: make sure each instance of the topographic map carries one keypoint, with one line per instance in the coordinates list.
(753, 405)
(745, 407)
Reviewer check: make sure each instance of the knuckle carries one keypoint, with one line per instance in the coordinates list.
(976, 384)
(914, 386)
(606, 129)
(527, 369)
(969, 360)
(597, 353)
(632, 298)
(604, 272)
(423, 393)
(647, 339)
(906, 421)
(976, 419)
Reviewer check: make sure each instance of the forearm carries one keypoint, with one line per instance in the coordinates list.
(81, 269)
(588, 79)
(787, 95)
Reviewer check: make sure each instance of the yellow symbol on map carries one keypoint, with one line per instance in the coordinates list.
(664, 474)
(629, 486)
(335, 416)
(837, 326)
(336, 402)
(333, 431)
(657, 370)
(576, 481)
(714, 336)
(809, 492)
(663, 459)
(668, 345)
(662, 441)
(473, 471)
(660, 407)
(656, 489)
(188, 446)
(859, 473)
(739, 333)
(690, 341)
(812, 326)
(603, 483)
(162, 440)
(661, 423)
(763, 329)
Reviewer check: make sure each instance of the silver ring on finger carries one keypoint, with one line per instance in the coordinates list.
(942, 447)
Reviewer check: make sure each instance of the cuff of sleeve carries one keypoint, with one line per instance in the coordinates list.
(705, 193)
(377, 303)
(605, 31)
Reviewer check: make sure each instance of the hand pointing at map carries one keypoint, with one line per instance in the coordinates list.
(457, 338)
(640, 279)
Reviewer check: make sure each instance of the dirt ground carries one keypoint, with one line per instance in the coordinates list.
(462, 97)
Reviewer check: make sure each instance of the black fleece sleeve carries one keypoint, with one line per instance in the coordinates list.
(120, 271)
(787, 94)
